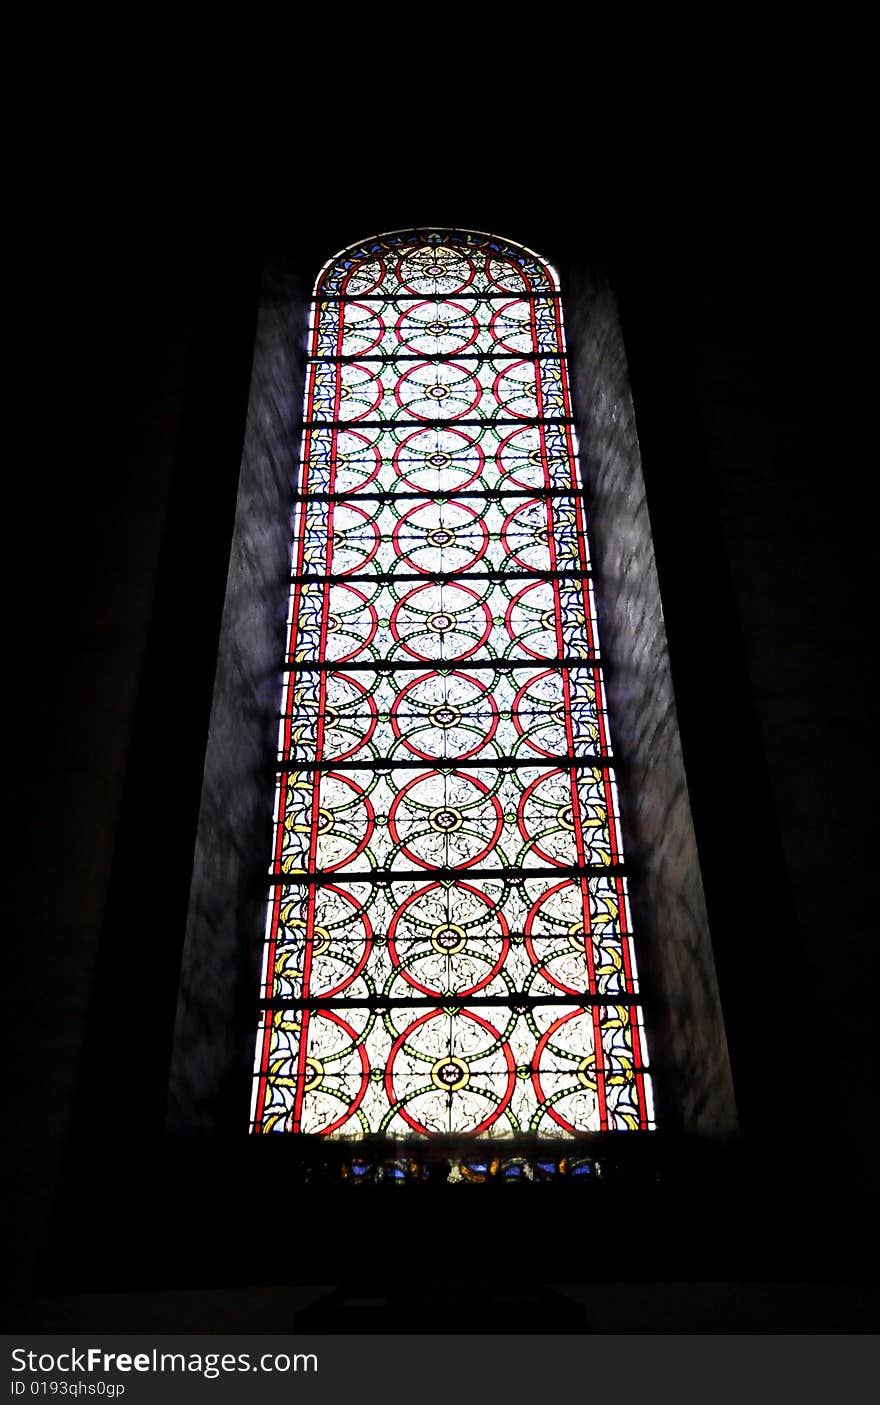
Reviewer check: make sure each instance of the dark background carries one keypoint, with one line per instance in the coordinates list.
(732, 311)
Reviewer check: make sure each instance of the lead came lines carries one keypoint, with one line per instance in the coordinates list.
(421, 829)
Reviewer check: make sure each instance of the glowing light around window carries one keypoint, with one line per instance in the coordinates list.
(448, 946)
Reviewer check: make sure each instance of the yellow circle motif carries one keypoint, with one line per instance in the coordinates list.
(450, 1073)
(314, 1071)
(445, 819)
(577, 936)
(448, 938)
(440, 622)
(445, 715)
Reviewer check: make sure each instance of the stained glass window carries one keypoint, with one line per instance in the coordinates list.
(448, 943)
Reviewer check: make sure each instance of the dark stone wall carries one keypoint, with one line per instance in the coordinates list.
(215, 1031)
(770, 377)
(91, 501)
(763, 554)
(685, 1024)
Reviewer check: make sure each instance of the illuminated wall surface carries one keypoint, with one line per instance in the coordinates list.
(448, 946)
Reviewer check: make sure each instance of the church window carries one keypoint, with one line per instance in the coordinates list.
(448, 947)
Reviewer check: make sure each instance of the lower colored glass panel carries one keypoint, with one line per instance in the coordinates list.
(436, 459)
(530, 818)
(454, 715)
(553, 1071)
(535, 937)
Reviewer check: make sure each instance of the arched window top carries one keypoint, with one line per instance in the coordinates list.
(432, 263)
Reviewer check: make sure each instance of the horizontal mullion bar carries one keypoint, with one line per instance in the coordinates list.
(439, 577)
(392, 357)
(386, 876)
(438, 665)
(437, 297)
(486, 422)
(444, 495)
(510, 936)
(443, 765)
(518, 1003)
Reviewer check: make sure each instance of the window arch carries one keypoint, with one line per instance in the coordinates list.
(448, 943)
